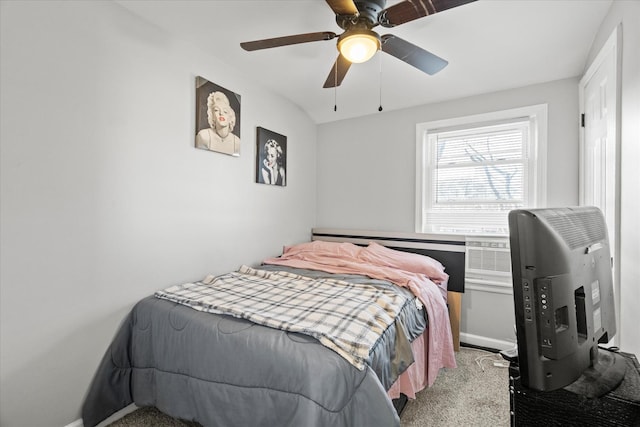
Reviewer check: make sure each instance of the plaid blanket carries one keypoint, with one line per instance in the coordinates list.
(345, 317)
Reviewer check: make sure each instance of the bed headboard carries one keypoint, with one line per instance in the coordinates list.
(448, 249)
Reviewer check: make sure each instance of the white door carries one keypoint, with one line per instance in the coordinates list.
(599, 157)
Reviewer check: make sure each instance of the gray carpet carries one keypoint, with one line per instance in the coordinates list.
(476, 393)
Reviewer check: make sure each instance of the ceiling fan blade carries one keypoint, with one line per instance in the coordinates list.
(412, 54)
(287, 40)
(343, 7)
(338, 71)
(409, 10)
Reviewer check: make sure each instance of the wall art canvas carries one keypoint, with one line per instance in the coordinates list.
(217, 118)
(271, 158)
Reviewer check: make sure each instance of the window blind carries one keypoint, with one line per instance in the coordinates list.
(476, 175)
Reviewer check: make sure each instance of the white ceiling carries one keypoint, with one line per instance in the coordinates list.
(491, 45)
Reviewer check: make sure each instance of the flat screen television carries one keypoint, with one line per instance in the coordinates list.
(564, 300)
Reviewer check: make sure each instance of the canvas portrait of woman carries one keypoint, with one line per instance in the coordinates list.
(271, 158)
(217, 118)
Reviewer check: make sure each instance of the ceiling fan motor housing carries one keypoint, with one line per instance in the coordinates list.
(367, 15)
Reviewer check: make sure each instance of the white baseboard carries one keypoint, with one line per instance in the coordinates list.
(486, 341)
(121, 413)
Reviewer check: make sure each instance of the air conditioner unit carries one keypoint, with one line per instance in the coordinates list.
(488, 264)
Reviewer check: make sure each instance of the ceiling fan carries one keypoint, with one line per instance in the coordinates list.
(358, 43)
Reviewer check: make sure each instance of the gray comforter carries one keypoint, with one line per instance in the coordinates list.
(224, 371)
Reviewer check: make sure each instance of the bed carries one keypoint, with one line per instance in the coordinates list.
(187, 352)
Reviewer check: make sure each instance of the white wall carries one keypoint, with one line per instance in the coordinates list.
(627, 13)
(366, 166)
(104, 197)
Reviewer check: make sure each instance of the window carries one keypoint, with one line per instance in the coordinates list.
(473, 170)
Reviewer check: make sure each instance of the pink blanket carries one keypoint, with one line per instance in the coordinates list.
(383, 263)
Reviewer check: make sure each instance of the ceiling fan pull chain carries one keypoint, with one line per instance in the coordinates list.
(335, 86)
(380, 83)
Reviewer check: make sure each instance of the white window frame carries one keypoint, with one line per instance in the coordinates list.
(537, 156)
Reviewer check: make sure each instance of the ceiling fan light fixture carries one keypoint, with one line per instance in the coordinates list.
(359, 46)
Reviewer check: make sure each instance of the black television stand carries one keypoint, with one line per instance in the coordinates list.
(605, 375)
(619, 407)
